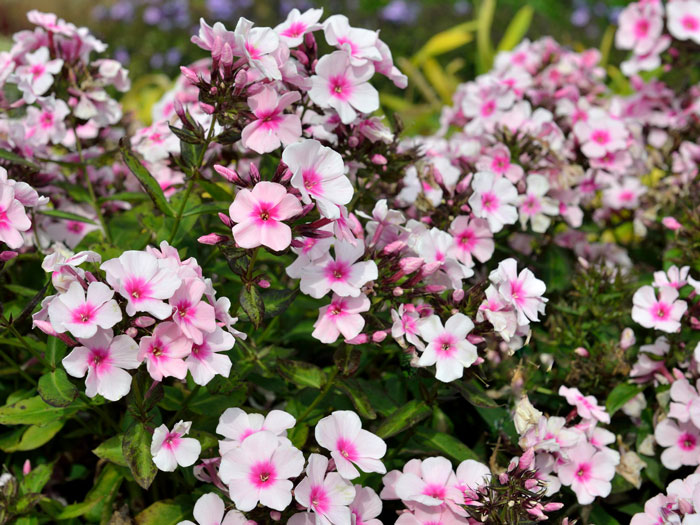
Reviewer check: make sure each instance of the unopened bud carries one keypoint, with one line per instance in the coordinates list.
(379, 336)
(435, 288)
(397, 292)
(410, 264)
(358, 339)
(225, 219)
(263, 283)
(458, 295)
(378, 159)
(275, 515)
(131, 332)
(144, 321)
(581, 351)
(212, 239)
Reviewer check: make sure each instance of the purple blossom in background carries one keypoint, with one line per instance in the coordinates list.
(401, 12)
(581, 16)
(156, 60)
(122, 55)
(152, 15)
(173, 56)
(226, 9)
(123, 11)
(462, 7)
(288, 5)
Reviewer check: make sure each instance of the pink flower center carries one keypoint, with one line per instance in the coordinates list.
(137, 288)
(46, 120)
(312, 182)
(626, 196)
(335, 309)
(337, 271)
(295, 29)
(263, 475)
(531, 205)
(84, 313)
(75, 226)
(99, 360)
(517, 292)
(600, 136)
(687, 441)
(434, 491)
(488, 108)
(201, 352)
(641, 28)
(584, 472)
(661, 311)
(263, 212)
(500, 164)
(489, 201)
(466, 239)
(37, 70)
(340, 87)
(690, 23)
(183, 310)
(253, 51)
(172, 440)
(319, 499)
(347, 449)
(346, 41)
(157, 349)
(445, 345)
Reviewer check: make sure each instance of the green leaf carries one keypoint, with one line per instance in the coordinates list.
(37, 478)
(59, 214)
(620, 395)
(31, 437)
(149, 183)
(211, 208)
(298, 434)
(215, 190)
(359, 399)
(20, 290)
(111, 450)
(252, 304)
(136, 447)
(474, 394)
(606, 44)
(445, 42)
(16, 159)
(128, 196)
(55, 351)
(56, 389)
(444, 444)
(484, 48)
(277, 301)
(517, 29)
(31, 411)
(166, 512)
(301, 374)
(599, 516)
(191, 153)
(403, 418)
(555, 268)
(102, 492)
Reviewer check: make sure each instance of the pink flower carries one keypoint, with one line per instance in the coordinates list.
(425, 515)
(641, 24)
(170, 449)
(292, 30)
(685, 402)
(143, 281)
(470, 476)
(493, 199)
(194, 316)
(624, 194)
(105, 358)
(340, 85)
(448, 348)
(47, 121)
(522, 291)
(35, 77)
(259, 213)
(434, 484)
(205, 361)
(259, 471)
(351, 446)
(366, 507)
(406, 324)
(656, 511)
(472, 238)
(164, 351)
(272, 126)
(600, 134)
(82, 314)
(210, 509)
(586, 406)
(258, 45)
(342, 316)
(663, 313)
(13, 218)
(326, 494)
(588, 472)
(236, 426)
(535, 206)
(359, 44)
(318, 172)
(681, 440)
(647, 366)
(671, 223)
(343, 275)
(675, 277)
(683, 19)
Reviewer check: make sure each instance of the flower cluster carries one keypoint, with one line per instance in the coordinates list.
(679, 504)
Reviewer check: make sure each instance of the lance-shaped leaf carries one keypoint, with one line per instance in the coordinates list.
(136, 447)
(56, 389)
(300, 373)
(252, 304)
(403, 418)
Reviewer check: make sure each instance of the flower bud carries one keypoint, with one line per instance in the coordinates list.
(263, 283)
(581, 351)
(212, 239)
(457, 295)
(275, 515)
(7, 255)
(189, 74)
(379, 336)
(410, 264)
(627, 338)
(358, 339)
(144, 321)
(397, 292)
(131, 332)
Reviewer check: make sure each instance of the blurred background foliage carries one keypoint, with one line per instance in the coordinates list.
(437, 43)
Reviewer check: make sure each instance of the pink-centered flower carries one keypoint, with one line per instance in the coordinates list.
(681, 442)
(105, 358)
(327, 495)
(35, 77)
(211, 510)
(297, 24)
(683, 20)
(194, 316)
(472, 238)
(81, 314)
(170, 448)
(640, 26)
(434, 484)
(359, 44)
(271, 127)
(258, 44)
(259, 214)
(350, 445)
(366, 507)
(236, 426)
(600, 134)
(318, 172)
(345, 88)
(259, 471)
(143, 281)
(675, 277)
(588, 472)
(523, 291)
(341, 316)
(447, 347)
(535, 206)
(586, 406)
(663, 313)
(205, 361)
(343, 275)
(494, 199)
(164, 352)
(13, 217)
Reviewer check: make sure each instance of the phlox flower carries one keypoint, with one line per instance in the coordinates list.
(405, 324)
(13, 217)
(35, 77)
(326, 494)
(366, 507)
(646, 366)
(674, 277)
(588, 472)
(164, 352)
(259, 471)
(657, 510)
(341, 316)
(350, 445)
(427, 515)
(497, 161)
(297, 24)
(472, 238)
(81, 314)
(685, 402)
(681, 442)
(105, 358)
(624, 194)
(191, 314)
(169, 448)
(683, 20)
(272, 126)
(499, 313)
(205, 361)
(343, 275)
(435, 247)
(471, 475)
(600, 134)
(258, 44)
(47, 122)
(345, 88)
(143, 282)
(586, 406)
(214, 37)
(318, 172)
(523, 291)
(210, 509)
(447, 348)
(493, 199)
(359, 44)
(71, 232)
(535, 206)
(259, 213)
(663, 313)
(640, 26)
(433, 484)
(236, 426)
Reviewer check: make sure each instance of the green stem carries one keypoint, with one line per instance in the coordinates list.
(326, 388)
(17, 367)
(26, 345)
